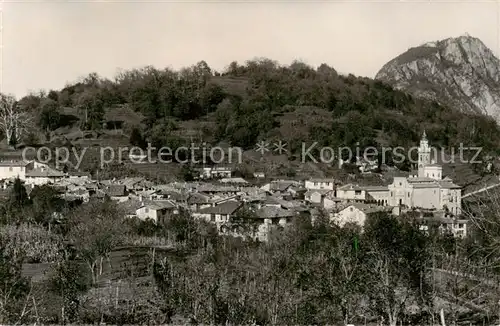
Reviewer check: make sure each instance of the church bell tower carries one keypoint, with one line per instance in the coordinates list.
(424, 155)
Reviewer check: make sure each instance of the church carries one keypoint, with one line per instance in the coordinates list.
(428, 189)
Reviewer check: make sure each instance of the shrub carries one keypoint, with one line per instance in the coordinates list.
(37, 244)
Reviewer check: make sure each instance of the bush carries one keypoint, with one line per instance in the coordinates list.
(37, 244)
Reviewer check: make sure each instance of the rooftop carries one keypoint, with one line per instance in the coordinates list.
(274, 212)
(44, 173)
(14, 163)
(350, 186)
(158, 204)
(225, 208)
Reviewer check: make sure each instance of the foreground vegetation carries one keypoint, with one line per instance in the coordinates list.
(306, 273)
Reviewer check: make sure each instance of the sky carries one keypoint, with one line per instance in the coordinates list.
(47, 44)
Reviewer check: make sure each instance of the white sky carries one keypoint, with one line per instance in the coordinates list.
(46, 44)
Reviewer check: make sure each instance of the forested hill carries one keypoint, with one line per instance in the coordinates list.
(262, 99)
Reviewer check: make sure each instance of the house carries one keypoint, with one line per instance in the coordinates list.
(280, 186)
(317, 196)
(357, 213)
(219, 214)
(215, 172)
(320, 184)
(351, 193)
(157, 210)
(454, 226)
(259, 175)
(136, 184)
(323, 198)
(130, 207)
(297, 192)
(116, 192)
(269, 217)
(77, 193)
(43, 175)
(14, 169)
(330, 203)
(80, 176)
(175, 196)
(148, 195)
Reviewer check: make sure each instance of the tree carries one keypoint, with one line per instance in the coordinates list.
(18, 195)
(396, 262)
(187, 173)
(50, 117)
(97, 228)
(46, 203)
(14, 120)
(13, 286)
(68, 281)
(92, 108)
(137, 139)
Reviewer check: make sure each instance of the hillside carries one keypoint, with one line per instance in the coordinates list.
(459, 72)
(261, 99)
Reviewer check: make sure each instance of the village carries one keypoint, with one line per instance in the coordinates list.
(219, 197)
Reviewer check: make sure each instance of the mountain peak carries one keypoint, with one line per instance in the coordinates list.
(459, 71)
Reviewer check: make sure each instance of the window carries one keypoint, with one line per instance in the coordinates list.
(460, 225)
(400, 184)
(212, 217)
(391, 193)
(10, 169)
(408, 194)
(146, 210)
(357, 192)
(351, 209)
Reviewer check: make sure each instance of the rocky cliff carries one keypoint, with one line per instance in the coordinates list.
(460, 72)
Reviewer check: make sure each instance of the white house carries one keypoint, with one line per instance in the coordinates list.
(14, 169)
(457, 227)
(79, 176)
(320, 184)
(357, 213)
(43, 175)
(215, 172)
(351, 193)
(219, 214)
(317, 196)
(156, 210)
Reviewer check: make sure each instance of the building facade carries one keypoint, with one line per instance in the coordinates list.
(428, 189)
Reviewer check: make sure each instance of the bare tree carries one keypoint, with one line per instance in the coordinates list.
(14, 120)
(98, 228)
